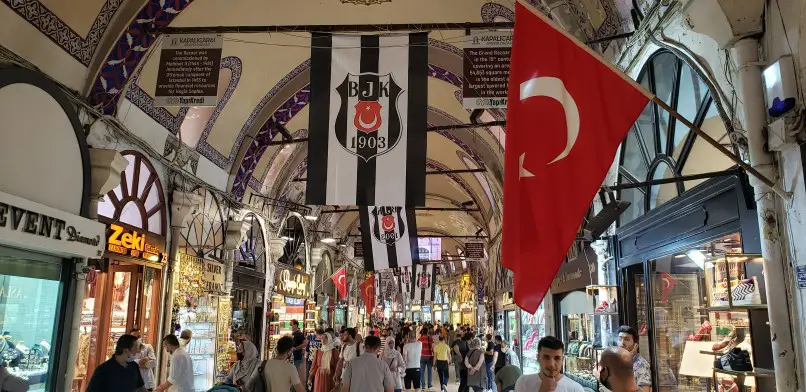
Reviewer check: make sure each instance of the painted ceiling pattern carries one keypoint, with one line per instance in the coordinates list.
(253, 165)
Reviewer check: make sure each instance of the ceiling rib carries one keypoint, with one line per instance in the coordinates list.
(415, 208)
(359, 28)
(432, 172)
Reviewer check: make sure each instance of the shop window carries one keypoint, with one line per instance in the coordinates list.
(138, 200)
(659, 147)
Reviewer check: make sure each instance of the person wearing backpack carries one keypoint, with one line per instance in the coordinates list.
(277, 374)
(350, 348)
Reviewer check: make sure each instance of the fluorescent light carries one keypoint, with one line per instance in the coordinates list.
(697, 257)
(343, 245)
(310, 217)
(328, 240)
(285, 238)
(154, 258)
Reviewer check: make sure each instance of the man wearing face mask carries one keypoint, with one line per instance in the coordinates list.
(628, 340)
(550, 356)
(616, 371)
(120, 373)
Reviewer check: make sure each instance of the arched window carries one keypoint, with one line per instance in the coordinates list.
(138, 201)
(659, 146)
(203, 235)
(252, 254)
(294, 249)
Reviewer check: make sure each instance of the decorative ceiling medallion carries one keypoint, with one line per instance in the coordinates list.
(365, 2)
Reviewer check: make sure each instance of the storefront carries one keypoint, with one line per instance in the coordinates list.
(249, 281)
(45, 234)
(687, 285)
(290, 302)
(506, 318)
(584, 326)
(123, 289)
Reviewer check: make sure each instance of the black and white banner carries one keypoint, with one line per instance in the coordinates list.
(423, 285)
(367, 124)
(389, 235)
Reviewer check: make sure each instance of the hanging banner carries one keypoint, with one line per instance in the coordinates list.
(424, 282)
(479, 286)
(486, 70)
(367, 120)
(474, 250)
(389, 235)
(188, 70)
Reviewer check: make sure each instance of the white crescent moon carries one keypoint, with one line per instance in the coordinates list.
(554, 88)
(341, 279)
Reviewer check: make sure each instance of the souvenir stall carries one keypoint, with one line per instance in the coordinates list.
(462, 298)
(200, 303)
(45, 226)
(123, 289)
(290, 302)
(586, 327)
(249, 280)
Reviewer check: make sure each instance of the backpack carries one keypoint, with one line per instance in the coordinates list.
(259, 383)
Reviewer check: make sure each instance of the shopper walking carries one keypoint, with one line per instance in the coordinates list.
(411, 355)
(616, 370)
(474, 362)
(442, 361)
(350, 348)
(367, 373)
(460, 350)
(246, 367)
(146, 360)
(300, 343)
(394, 359)
(489, 356)
(180, 375)
(325, 361)
(281, 375)
(118, 374)
(426, 359)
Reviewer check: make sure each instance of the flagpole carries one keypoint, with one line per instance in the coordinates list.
(752, 171)
(328, 278)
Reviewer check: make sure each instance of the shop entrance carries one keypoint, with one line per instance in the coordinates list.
(125, 297)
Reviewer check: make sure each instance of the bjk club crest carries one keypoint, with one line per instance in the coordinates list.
(389, 226)
(424, 280)
(369, 122)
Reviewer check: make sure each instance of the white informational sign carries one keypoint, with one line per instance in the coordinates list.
(28, 225)
(486, 70)
(213, 276)
(474, 250)
(188, 70)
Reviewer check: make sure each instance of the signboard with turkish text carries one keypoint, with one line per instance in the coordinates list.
(358, 249)
(292, 283)
(474, 250)
(126, 241)
(29, 225)
(188, 70)
(486, 70)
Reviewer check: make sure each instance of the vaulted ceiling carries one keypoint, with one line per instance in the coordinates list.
(264, 81)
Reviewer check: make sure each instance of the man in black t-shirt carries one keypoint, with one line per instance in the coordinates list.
(489, 354)
(500, 356)
(300, 343)
(120, 373)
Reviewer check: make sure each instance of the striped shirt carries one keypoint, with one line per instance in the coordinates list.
(428, 346)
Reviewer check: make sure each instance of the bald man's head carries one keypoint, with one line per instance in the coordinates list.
(615, 368)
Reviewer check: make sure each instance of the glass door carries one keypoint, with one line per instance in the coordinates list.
(149, 304)
(122, 303)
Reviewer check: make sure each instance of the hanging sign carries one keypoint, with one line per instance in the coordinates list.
(474, 250)
(188, 70)
(358, 249)
(31, 225)
(486, 70)
(129, 242)
(213, 276)
(577, 273)
(292, 283)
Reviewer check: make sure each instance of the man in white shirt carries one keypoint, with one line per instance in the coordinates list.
(412, 353)
(180, 376)
(550, 352)
(146, 360)
(350, 348)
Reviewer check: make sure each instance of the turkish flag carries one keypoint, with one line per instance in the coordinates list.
(368, 293)
(567, 113)
(340, 280)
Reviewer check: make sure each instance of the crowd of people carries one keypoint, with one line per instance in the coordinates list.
(392, 357)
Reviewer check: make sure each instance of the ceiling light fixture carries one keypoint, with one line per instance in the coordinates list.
(310, 217)
(328, 240)
(365, 2)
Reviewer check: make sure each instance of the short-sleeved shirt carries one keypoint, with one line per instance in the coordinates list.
(488, 358)
(442, 351)
(508, 376)
(181, 371)
(641, 370)
(463, 349)
(298, 339)
(281, 375)
(367, 373)
(112, 376)
(532, 383)
(428, 345)
(502, 358)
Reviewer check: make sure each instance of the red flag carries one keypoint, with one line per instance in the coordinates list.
(567, 113)
(368, 294)
(340, 280)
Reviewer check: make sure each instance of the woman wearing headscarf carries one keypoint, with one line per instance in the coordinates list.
(474, 361)
(247, 365)
(394, 359)
(324, 364)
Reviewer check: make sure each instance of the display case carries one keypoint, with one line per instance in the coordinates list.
(533, 328)
(225, 347)
(201, 318)
(283, 310)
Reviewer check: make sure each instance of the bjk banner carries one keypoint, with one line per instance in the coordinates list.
(568, 111)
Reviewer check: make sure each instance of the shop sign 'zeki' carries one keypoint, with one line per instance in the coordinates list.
(132, 243)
